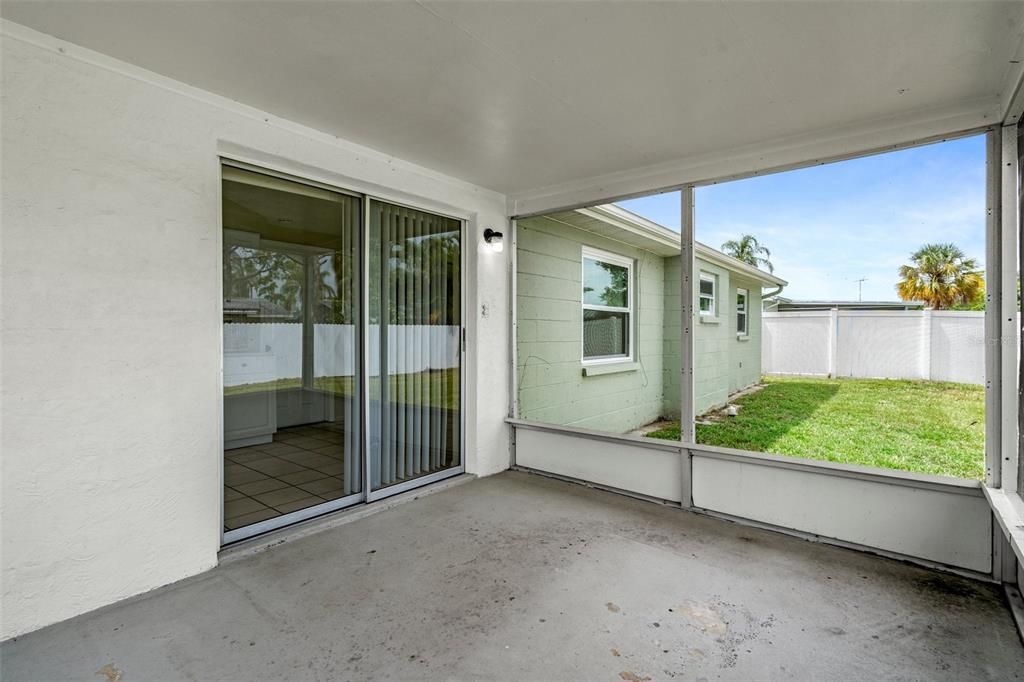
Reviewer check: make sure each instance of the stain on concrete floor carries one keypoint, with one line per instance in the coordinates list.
(521, 577)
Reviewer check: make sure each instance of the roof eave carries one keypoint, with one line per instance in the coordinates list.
(664, 238)
(736, 265)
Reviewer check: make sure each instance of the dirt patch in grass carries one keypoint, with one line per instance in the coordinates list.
(722, 413)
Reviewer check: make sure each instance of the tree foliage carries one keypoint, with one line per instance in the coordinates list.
(278, 277)
(749, 250)
(265, 275)
(423, 276)
(941, 276)
(615, 293)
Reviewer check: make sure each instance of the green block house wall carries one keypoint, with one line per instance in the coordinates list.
(552, 387)
(724, 362)
(711, 344)
(745, 359)
(552, 384)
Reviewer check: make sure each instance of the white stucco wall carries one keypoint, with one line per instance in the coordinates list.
(111, 364)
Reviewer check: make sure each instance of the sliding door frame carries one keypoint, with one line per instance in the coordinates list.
(394, 489)
(366, 494)
(255, 529)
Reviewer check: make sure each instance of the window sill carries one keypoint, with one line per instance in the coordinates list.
(709, 319)
(743, 337)
(610, 368)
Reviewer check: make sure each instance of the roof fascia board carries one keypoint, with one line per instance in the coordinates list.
(808, 149)
(568, 221)
(629, 222)
(662, 236)
(726, 261)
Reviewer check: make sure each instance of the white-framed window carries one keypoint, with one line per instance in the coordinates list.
(741, 311)
(708, 294)
(607, 298)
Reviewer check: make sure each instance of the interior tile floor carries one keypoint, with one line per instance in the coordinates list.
(519, 577)
(304, 466)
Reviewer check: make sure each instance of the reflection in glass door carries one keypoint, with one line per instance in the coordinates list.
(414, 347)
(342, 350)
(292, 425)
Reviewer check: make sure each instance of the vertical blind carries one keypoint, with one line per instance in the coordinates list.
(419, 313)
(335, 280)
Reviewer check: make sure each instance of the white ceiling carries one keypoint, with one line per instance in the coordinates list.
(516, 96)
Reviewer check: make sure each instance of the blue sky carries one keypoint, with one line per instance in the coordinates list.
(829, 226)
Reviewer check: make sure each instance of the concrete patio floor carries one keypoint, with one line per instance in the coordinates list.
(520, 577)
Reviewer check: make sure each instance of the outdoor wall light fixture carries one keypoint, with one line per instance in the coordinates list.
(495, 239)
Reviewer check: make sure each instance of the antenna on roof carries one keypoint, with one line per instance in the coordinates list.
(860, 288)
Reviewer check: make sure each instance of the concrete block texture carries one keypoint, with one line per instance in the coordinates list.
(552, 388)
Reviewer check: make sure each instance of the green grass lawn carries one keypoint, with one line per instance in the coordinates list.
(923, 426)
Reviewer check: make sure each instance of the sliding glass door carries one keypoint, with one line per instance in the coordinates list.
(292, 424)
(342, 349)
(415, 341)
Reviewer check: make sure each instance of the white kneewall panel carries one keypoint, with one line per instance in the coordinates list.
(951, 528)
(111, 275)
(616, 464)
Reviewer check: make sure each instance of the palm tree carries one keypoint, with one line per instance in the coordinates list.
(750, 251)
(942, 276)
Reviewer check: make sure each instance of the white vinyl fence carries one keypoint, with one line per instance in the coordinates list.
(905, 344)
(254, 353)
